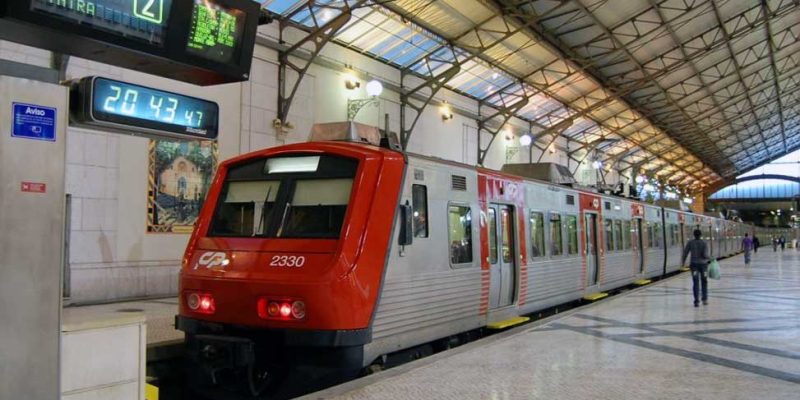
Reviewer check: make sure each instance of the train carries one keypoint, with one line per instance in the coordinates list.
(326, 256)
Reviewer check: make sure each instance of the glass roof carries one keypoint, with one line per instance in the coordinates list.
(691, 86)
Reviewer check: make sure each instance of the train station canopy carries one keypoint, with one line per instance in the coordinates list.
(691, 92)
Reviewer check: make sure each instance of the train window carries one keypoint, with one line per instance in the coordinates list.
(492, 236)
(419, 200)
(650, 239)
(316, 208)
(626, 235)
(618, 235)
(608, 230)
(572, 234)
(507, 225)
(674, 235)
(556, 243)
(570, 200)
(537, 234)
(657, 235)
(293, 196)
(460, 225)
(246, 208)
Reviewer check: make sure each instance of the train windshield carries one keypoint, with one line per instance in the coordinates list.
(304, 196)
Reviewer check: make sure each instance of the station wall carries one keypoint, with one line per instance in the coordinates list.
(111, 254)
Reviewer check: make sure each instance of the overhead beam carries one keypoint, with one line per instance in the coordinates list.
(772, 50)
(318, 37)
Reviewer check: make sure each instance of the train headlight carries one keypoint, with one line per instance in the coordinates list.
(299, 309)
(281, 309)
(201, 302)
(193, 301)
(286, 310)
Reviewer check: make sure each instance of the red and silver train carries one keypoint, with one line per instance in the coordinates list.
(325, 256)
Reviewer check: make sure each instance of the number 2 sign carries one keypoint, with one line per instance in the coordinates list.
(150, 10)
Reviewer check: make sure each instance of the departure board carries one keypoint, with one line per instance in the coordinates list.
(215, 32)
(205, 42)
(125, 106)
(141, 19)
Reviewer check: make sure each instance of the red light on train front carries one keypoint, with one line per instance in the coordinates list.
(286, 309)
(283, 309)
(201, 302)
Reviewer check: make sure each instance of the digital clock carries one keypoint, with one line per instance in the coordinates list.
(204, 42)
(121, 106)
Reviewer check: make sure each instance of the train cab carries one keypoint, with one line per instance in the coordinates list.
(278, 258)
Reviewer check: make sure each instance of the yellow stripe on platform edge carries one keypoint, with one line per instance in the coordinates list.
(684, 269)
(642, 282)
(150, 392)
(595, 296)
(508, 323)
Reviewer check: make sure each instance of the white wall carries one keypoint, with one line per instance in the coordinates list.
(112, 256)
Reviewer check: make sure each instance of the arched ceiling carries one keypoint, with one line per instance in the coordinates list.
(693, 92)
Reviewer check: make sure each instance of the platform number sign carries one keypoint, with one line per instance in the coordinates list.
(150, 10)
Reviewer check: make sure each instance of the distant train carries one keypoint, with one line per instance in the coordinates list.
(325, 256)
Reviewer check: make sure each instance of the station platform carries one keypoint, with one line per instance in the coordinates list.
(650, 343)
(159, 315)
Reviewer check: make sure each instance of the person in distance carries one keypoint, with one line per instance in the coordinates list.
(747, 247)
(699, 266)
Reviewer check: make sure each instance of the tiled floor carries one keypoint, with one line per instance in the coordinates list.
(650, 344)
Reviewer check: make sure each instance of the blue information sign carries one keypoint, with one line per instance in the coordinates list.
(34, 122)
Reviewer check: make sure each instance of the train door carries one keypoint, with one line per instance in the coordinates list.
(502, 257)
(592, 249)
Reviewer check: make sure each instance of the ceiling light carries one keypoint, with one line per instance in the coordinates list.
(525, 140)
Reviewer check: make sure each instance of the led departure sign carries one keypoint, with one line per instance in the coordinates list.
(199, 41)
(214, 31)
(142, 110)
(142, 19)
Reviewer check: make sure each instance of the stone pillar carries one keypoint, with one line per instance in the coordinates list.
(698, 205)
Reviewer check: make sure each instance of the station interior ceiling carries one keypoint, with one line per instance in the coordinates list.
(691, 93)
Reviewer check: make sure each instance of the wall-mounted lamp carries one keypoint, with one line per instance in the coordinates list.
(350, 82)
(374, 89)
(445, 111)
(507, 134)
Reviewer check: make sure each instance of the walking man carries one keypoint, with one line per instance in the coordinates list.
(782, 242)
(755, 244)
(699, 266)
(747, 247)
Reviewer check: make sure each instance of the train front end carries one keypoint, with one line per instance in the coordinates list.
(284, 267)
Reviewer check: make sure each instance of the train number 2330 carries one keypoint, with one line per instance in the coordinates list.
(287, 261)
